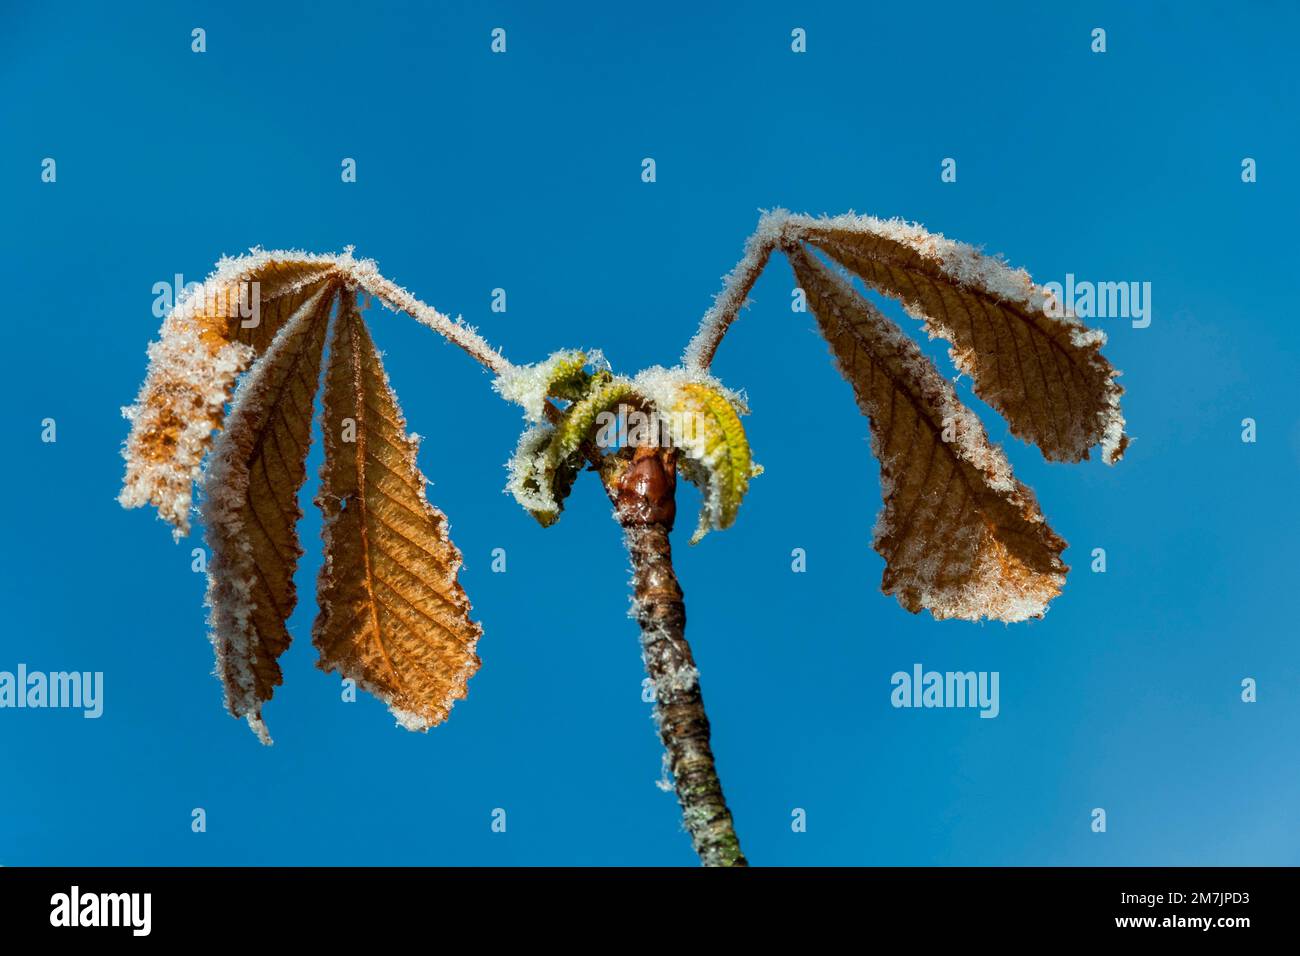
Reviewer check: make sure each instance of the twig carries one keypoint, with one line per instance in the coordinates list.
(644, 494)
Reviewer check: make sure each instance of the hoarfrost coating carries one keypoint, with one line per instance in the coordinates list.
(193, 367)
(232, 569)
(901, 246)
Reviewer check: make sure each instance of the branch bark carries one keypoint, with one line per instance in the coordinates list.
(643, 489)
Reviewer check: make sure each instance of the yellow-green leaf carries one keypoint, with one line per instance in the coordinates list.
(716, 454)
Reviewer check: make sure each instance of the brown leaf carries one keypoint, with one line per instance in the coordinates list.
(393, 616)
(250, 512)
(203, 348)
(1044, 373)
(959, 534)
(283, 285)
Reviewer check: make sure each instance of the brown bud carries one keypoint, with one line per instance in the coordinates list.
(647, 488)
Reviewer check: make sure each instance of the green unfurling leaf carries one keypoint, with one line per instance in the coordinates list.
(548, 459)
(715, 453)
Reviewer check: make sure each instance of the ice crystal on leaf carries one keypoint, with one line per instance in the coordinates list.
(960, 535)
(393, 616)
(689, 410)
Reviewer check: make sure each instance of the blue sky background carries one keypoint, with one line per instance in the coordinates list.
(523, 171)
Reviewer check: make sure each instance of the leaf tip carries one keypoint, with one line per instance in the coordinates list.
(258, 727)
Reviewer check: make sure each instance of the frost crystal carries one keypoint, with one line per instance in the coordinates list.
(736, 286)
(180, 404)
(525, 468)
(200, 353)
(364, 274)
(663, 386)
(529, 386)
(233, 568)
(1065, 401)
(715, 453)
